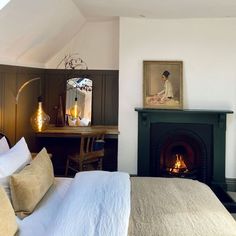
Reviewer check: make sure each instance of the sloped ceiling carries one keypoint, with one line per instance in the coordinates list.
(31, 32)
(161, 9)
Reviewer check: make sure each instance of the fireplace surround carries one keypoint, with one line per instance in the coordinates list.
(195, 136)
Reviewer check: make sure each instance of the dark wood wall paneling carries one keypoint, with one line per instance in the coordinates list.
(104, 112)
(51, 86)
(11, 79)
(105, 93)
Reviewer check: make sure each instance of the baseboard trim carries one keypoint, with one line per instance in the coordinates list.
(231, 184)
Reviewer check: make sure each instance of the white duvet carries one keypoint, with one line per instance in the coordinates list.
(97, 203)
(38, 222)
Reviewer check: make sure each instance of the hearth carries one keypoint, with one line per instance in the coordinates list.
(182, 143)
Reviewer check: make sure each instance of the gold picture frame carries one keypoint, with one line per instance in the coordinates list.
(163, 84)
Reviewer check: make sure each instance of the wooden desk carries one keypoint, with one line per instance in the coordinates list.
(61, 141)
(69, 131)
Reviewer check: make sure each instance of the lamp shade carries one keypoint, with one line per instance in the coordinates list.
(39, 120)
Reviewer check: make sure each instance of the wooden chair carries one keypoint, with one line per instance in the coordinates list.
(3, 135)
(91, 153)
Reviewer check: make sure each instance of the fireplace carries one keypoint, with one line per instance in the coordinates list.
(181, 150)
(182, 143)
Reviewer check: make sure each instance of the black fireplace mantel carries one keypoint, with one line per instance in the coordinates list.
(215, 118)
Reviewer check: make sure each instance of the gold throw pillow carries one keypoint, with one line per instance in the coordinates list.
(30, 185)
(8, 225)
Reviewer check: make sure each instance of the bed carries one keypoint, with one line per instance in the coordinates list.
(156, 206)
(175, 206)
(100, 203)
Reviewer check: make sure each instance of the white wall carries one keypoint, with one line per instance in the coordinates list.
(31, 32)
(208, 50)
(97, 44)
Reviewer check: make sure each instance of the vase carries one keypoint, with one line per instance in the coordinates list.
(60, 119)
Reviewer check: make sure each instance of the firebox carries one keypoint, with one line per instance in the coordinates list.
(181, 150)
(183, 144)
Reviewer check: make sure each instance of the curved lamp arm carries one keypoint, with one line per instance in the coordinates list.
(22, 86)
(16, 101)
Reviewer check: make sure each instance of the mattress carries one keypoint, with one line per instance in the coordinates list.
(37, 223)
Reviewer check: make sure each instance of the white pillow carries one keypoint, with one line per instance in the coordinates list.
(15, 159)
(3, 145)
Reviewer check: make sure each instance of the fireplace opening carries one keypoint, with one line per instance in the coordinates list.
(180, 156)
(181, 151)
(179, 166)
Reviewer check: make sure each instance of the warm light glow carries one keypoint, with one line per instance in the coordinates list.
(40, 119)
(179, 166)
(74, 111)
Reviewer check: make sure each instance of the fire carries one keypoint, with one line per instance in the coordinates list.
(179, 166)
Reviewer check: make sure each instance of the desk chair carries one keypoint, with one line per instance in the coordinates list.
(91, 153)
(3, 135)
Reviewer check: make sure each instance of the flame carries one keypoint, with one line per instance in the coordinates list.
(179, 165)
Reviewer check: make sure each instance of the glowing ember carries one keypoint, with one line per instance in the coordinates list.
(179, 166)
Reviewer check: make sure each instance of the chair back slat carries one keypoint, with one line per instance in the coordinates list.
(88, 144)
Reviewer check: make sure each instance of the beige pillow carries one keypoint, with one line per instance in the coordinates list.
(8, 225)
(30, 185)
(13, 161)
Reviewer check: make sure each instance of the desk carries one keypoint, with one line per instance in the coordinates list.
(61, 141)
(69, 131)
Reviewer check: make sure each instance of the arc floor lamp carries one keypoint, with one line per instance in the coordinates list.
(39, 119)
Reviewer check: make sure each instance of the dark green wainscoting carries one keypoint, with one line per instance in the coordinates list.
(215, 119)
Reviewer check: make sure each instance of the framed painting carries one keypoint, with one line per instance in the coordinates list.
(163, 84)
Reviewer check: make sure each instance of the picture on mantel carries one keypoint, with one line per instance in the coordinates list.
(163, 84)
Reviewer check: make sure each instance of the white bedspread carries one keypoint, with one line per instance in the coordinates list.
(38, 222)
(177, 207)
(97, 204)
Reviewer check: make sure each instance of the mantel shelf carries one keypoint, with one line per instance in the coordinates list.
(206, 111)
